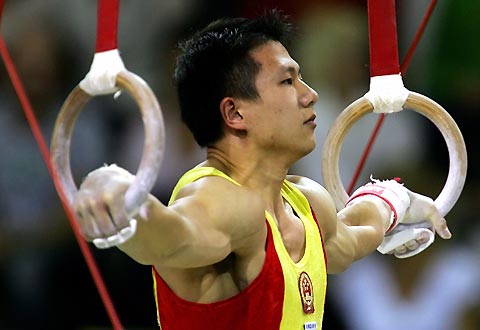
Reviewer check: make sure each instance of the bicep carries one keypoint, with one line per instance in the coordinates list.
(350, 234)
(359, 231)
(338, 239)
(202, 227)
(182, 235)
(347, 245)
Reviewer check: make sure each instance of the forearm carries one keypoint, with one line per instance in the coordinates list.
(367, 211)
(158, 235)
(367, 220)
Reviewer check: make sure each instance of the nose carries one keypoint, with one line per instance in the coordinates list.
(308, 96)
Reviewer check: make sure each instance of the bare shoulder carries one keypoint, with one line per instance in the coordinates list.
(222, 204)
(320, 200)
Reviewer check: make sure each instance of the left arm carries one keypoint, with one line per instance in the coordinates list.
(359, 228)
(350, 234)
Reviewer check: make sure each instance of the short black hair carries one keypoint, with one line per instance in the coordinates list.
(216, 62)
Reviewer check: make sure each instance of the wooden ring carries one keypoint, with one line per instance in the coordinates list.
(153, 148)
(418, 103)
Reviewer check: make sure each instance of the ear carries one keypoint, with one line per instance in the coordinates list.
(232, 116)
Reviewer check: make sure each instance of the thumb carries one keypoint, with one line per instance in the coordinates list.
(440, 225)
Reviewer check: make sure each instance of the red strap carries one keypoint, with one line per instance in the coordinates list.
(382, 27)
(2, 3)
(321, 237)
(107, 25)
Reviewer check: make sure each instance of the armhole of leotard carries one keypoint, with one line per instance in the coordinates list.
(321, 236)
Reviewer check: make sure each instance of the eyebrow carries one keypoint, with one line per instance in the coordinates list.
(293, 69)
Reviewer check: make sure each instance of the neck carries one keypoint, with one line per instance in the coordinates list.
(260, 172)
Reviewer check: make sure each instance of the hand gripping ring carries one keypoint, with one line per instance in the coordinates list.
(153, 148)
(420, 104)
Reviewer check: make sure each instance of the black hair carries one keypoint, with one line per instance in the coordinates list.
(216, 62)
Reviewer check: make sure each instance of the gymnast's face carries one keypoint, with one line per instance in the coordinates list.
(283, 117)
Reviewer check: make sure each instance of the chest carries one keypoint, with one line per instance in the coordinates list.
(292, 232)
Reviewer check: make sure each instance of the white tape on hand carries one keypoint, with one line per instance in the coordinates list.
(391, 242)
(391, 192)
(387, 93)
(101, 78)
(121, 237)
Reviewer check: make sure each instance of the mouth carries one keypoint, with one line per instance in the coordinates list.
(311, 120)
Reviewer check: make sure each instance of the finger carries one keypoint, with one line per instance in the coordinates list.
(86, 223)
(119, 238)
(101, 217)
(126, 233)
(118, 214)
(423, 237)
(440, 225)
(401, 249)
(101, 243)
(412, 245)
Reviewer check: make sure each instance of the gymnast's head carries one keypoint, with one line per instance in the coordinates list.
(216, 62)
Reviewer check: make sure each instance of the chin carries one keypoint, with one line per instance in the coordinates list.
(306, 149)
(312, 145)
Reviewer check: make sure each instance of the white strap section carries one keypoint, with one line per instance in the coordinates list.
(391, 242)
(390, 191)
(387, 93)
(103, 72)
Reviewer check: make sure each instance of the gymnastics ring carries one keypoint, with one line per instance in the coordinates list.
(426, 107)
(153, 148)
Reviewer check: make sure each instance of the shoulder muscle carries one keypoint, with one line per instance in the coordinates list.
(216, 202)
(320, 201)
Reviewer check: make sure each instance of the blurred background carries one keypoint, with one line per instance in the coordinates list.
(44, 281)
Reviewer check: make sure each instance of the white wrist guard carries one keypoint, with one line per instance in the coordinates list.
(392, 193)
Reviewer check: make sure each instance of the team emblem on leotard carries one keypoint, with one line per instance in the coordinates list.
(306, 293)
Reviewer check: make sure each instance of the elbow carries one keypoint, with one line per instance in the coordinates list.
(337, 268)
(340, 257)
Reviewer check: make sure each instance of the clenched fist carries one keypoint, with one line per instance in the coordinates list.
(100, 206)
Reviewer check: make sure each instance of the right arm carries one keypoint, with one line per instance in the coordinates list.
(209, 219)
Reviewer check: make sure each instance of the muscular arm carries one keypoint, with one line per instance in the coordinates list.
(202, 227)
(350, 234)
(359, 230)
(208, 221)
(173, 237)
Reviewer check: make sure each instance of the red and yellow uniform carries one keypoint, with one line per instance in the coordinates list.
(286, 295)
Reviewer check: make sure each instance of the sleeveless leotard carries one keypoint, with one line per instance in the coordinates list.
(285, 295)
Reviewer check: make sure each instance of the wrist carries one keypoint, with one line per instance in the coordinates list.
(383, 214)
(391, 192)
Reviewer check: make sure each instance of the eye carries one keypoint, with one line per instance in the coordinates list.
(288, 81)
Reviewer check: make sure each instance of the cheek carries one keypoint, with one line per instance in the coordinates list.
(280, 95)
